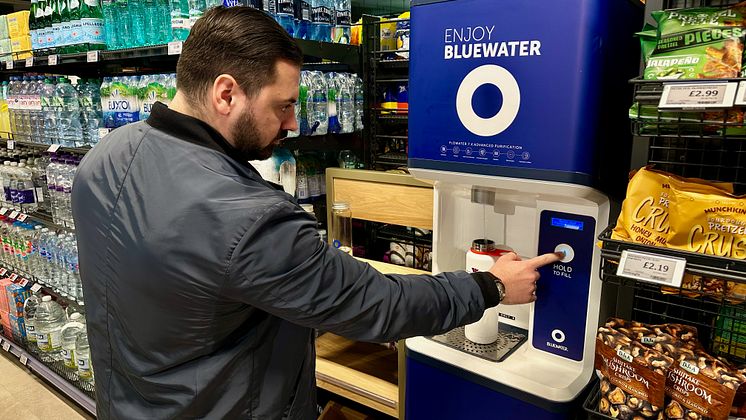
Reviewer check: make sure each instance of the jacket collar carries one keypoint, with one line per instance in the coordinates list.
(192, 130)
(197, 132)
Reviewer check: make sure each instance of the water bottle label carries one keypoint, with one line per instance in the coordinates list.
(66, 33)
(285, 7)
(43, 341)
(40, 194)
(322, 15)
(234, 3)
(91, 3)
(93, 31)
(69, 357)
(26, 197)
(301, 188)
(56, 35)
(35, 103)
(343, 17)
(84, 368)
(76, 32)
(305, 10)
(178, 22)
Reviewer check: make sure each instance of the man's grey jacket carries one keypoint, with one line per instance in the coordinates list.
(204, 283)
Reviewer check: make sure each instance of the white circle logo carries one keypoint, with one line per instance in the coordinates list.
(503, 80)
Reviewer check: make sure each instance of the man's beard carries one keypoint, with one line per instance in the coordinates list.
(247, 139)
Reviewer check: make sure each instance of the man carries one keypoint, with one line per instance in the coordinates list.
(203, 282)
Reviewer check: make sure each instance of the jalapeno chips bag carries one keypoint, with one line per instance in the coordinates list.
(698, 43)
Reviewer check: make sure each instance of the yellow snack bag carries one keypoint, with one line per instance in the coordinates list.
(709, 222)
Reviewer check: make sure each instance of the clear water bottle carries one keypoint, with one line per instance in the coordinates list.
(12, 99)
(48, 112)
(196, 10)
(346, 103)
(286, 15)
(151, 22)
(52, 172)
(25, 190)
(359, 104)
(136, 10)
(90, 110)
(125, 31)
(179, 19)
(110, 24)
(302, 10)
(29, 314)
(83, 354)
(23, 122)
(163, 8)
(340, 233)
(152, 89)
(332, 101)
(39, 178)
(13, 184)
(70, 332)
(68, 117)
(36, 116)
(318, 118)
(342, 28)
(321, 20)
(50, 318)
(75, 286)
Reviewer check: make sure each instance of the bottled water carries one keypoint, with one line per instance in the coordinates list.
(70, 332)
(286, 15)
(50, 318)
(92, 20)
(152, 89)
(90, 110)
(25, 192)
(7, 178)
(163, 8)
(23, 123)
(13, 104)
(318, 119)
(13, 184)
(152, 22)
(332, 88)
(196, 10)
(137, 15)
(75, 35)
(270, 8)
(303, 18)
(321, 20)
(52, 172)
(110, 24)
(179, 19)
(49, 112)
(40, 182)
(29, 314)
(119, 101)
(33, 24)
(83, 354)
(342, 31)
(68, 117)
(346, 103)
(124, 31)
(36, 117)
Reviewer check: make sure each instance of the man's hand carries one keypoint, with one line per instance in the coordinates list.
(519, 277)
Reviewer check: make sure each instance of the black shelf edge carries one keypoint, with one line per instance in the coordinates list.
(34, 145)
(700, 264)
(43, 371)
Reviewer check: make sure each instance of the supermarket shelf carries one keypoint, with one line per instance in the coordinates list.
(43, 371)
(42, 146)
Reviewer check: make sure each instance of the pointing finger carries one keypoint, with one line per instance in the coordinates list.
(545, 259)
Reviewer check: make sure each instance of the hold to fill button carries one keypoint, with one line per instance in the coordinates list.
(567, 250)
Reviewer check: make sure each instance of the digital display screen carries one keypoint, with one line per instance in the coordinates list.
(567, 224)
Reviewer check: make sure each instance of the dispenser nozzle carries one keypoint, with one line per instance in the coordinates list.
(481, 195)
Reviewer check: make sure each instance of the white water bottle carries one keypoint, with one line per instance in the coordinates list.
(481, 257)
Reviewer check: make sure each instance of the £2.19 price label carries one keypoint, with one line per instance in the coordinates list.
(652, 268)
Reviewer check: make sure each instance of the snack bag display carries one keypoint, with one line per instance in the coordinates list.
(698, 43)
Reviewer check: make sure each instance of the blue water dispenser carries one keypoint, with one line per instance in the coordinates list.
(518, 116)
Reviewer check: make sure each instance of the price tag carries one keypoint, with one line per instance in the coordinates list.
(6, 346)
(9, 64)
(652, 268)
(22, 217)
(35, 288)
(14, 214)
(92, 56)
(13, 277)
(11, 144)
(23, 282)
(102, 132)
(3, 271)
(698, 95)
(54, 148)
(3, 211)
(53, 60)
(174, 47)
(30, 62)
(24, 359)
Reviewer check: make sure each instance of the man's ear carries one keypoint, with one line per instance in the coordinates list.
(224, 94)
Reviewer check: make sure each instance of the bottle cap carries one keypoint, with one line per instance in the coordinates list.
(46, 298)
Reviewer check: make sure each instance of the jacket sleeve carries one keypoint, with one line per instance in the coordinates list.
(281, 266)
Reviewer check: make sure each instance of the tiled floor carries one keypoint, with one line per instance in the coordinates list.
(23, 396)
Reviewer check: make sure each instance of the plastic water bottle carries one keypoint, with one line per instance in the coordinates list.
(163, 9)
(29, 314)
(52, 171)
(39, 178)
(83, 353)
(342, 30)
(359, 104)
(48, 112)
(286, 15)
(70, 332)
(110, 24)
(196, 10)
(179, 19)
(36, 117)
(50, 318)
(318, 118)
(302, 10)
(321, 20)
(12, 105)
(23, 123)
(332, 98)
(90, 104)
(136, 10)
(270, 8)
(152, 22)
(152, 89)
(346, 103)
(75, 37)
(68, 117)
(170, 88)
(94, 29)
(105, 95)
(25, 192)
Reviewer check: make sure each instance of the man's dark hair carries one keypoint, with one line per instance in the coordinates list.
(241, 41)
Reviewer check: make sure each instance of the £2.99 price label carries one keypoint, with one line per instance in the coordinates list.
(698, 95)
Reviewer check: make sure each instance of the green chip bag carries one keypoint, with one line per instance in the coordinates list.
(698, 43)
(648, 40)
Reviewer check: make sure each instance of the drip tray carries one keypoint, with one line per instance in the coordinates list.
(507, 342)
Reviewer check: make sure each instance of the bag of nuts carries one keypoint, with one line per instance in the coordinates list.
(633, 376)
(698, 385)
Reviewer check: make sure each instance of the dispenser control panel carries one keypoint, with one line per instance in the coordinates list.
(562, 292)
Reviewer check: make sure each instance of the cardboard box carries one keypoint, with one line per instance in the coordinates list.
(17, 296)
(18, 24)
(20, 43)
(4, 305)
(4, 27)
(18, 328)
